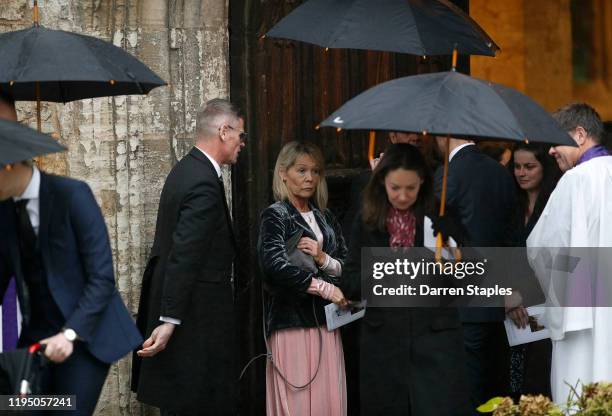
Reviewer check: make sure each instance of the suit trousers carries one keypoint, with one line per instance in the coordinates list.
(487, 361)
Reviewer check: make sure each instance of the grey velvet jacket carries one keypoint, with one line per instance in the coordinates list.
(287, 304)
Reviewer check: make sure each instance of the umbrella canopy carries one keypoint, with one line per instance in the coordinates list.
(18, 143)
(68, 66)
(450, 103)
(432, 27)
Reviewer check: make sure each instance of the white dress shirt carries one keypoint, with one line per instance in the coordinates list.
(456, 149)
(32, 193)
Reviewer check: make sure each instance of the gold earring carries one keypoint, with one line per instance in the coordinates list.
(8, 168)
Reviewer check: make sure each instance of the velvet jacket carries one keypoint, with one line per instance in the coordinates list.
(287, 303)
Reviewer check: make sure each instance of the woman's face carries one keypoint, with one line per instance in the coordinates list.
(302, 178)
(528, 171)
(402, 188)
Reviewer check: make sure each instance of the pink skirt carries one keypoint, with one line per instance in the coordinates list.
(296, 353)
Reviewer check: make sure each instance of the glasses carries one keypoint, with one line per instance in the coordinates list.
(243, 135)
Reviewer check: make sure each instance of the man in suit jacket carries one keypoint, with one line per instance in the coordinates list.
(481, 195)
(187, 363)
(54, 241)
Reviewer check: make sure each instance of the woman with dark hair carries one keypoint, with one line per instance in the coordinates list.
(410, 357)
(536, 175)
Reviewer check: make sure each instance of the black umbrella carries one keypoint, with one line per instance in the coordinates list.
(418, 27)
(20, 370)
(449, 104)
(18, 143)
(54, 65)
(68, 66)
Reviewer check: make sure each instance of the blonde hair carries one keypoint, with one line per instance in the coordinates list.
(286, 159)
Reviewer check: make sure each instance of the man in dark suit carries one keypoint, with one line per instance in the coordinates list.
(54, 241)
(187, 363)
(481, 196)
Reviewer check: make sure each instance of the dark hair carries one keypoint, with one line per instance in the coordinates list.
(580, 114)
(375, 201)
(493, 149)
(607, 141)
(6, 97)
(550, 177)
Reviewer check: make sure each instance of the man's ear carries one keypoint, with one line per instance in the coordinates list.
(581, 135)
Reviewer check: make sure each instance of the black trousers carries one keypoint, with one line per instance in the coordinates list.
(487, 360)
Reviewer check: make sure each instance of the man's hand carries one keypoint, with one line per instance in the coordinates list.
(157, 341)
(57, 348)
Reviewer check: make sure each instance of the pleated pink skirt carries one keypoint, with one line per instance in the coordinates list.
(296, 354)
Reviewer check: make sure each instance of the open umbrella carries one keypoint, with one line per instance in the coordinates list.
(54, 65)
(450, 104)
(419, 27)
(18, 143)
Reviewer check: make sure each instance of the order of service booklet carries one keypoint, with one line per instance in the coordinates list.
(337, 316)
(534, 331)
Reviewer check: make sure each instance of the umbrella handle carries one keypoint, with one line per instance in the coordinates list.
(372, 145)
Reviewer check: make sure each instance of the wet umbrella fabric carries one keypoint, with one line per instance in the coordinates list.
(19, 365)
(18, 143)
(416, 27)
(68, 66)
(450, 103)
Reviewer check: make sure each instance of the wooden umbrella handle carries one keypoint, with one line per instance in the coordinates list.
(372, 145)
(439, 241)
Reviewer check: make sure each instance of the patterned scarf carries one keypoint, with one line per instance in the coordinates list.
(402, 228)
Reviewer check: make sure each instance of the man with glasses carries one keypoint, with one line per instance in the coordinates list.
(187, 363)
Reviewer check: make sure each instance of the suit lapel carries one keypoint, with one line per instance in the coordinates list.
(45, 208)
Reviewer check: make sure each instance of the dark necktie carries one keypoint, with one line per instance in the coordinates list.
(27, 237)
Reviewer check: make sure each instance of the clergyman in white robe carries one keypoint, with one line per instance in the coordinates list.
(577, 215)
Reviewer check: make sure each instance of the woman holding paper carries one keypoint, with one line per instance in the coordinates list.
(301, 252)
(536, 175)
(412, 359)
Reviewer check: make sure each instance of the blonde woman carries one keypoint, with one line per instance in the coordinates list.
(306, 373)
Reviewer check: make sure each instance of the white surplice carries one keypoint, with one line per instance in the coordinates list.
(578, 214)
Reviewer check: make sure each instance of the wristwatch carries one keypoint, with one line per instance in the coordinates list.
(70, 334)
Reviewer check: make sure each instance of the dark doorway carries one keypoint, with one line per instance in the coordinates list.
(285, 89)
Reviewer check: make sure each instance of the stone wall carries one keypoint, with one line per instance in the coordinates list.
(536, 57)
(123, 147)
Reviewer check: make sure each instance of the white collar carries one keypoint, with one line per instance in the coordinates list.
(213, 161)
(32, 191)
(456, 149)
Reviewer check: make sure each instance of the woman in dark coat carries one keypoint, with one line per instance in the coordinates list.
(412, 359)
(306, 375)
(536, 175)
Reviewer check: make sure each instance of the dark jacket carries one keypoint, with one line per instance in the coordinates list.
(288, 305)
(481, 194)
(409, 357)
(188, 277)
(77, 263)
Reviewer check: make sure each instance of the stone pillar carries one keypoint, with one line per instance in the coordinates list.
(123, 147)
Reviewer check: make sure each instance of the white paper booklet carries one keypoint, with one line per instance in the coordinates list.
(336, 316)
(534, 331)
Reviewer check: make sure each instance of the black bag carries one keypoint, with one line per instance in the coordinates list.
(297, 257)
